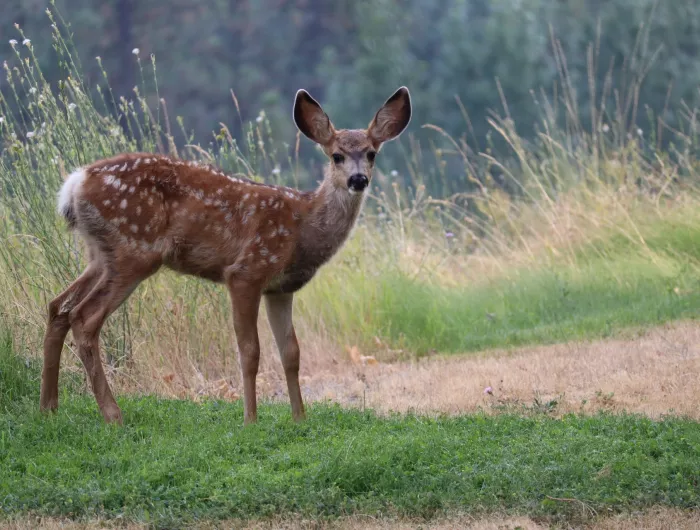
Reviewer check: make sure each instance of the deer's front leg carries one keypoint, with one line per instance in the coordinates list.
(279, 313)
(246, 304)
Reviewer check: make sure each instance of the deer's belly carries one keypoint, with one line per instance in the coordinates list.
(196, 260)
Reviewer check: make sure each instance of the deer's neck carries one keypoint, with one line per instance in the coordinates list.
(330, 221)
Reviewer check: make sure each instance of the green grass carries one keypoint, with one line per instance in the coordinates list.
(541, 307)
(178, 461)
(611, 286)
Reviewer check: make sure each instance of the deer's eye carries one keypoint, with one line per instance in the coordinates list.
(338, 158)
(371, 155)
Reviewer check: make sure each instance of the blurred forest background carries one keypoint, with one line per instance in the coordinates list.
(461, 59)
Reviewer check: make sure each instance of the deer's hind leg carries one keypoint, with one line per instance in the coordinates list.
(56, 330)
(246, 305)
(117, 282)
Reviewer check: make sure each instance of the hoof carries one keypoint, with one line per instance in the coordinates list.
(113, 415)
(49, 406)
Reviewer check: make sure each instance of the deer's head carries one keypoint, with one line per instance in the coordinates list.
(352, 151)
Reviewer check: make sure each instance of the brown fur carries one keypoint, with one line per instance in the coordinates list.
(138, 212)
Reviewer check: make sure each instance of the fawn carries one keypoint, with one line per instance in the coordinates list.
(137, 212)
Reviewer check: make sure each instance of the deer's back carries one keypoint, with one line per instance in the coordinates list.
(190, 218)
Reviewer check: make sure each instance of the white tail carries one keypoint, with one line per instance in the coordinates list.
(138, 212)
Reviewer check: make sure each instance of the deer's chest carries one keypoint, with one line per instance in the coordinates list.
(302, 269)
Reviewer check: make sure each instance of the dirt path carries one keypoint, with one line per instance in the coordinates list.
(654, 373)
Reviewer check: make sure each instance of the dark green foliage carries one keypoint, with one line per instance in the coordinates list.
(352, 55)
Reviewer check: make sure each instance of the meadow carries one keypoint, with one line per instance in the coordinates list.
(601, 242)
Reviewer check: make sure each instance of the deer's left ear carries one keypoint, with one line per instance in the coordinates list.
(392, 118)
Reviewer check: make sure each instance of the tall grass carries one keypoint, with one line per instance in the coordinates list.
(598, 231)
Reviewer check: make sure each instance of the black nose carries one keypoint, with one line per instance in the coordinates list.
(358, 182)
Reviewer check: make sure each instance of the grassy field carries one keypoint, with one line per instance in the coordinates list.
(601, 237)
(176, 462)
(602, 234)
(545, 305)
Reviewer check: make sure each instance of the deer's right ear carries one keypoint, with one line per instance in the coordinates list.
(311, 120)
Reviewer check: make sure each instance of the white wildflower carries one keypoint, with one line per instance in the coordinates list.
(276, 171)
(26, 42)
(259, 119)
(32, 90)
(114, 131)
(72, 106)
(394, 173)
(2, 119)
(135, 51)
(13, 42)
(640, 132)
(606, 127)
(31, 134)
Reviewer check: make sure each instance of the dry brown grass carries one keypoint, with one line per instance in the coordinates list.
(653, 373)
(655, 519)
